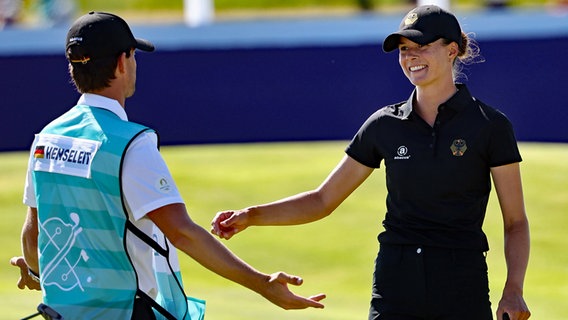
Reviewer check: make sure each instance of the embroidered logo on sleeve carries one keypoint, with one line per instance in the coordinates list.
(64, 155)
(163, 185)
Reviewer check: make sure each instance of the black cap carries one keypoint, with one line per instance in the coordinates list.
(101, 35)
(423, 25)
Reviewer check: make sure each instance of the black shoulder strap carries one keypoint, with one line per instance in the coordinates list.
(142, 295)
(146, 238)
(164, 252)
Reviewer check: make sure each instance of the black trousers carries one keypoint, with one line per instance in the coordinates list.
(423, 283)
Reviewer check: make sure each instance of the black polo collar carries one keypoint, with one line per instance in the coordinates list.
(458, 102)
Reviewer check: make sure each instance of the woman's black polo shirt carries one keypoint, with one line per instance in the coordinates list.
(438, 178)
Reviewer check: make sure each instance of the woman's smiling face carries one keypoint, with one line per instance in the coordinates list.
(427, 64)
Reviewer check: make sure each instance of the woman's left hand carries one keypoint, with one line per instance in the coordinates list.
(514, 305)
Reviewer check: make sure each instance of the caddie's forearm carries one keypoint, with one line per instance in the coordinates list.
(29, 239)
(213, 255)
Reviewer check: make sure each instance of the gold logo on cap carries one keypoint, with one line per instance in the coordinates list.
(458, 147)
(411, 18)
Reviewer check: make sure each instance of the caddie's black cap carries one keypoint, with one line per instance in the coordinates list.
(423, 25)
(101, 35)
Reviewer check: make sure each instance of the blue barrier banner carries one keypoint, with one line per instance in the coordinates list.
(289, 80)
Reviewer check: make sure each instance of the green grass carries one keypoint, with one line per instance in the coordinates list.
(335, 255)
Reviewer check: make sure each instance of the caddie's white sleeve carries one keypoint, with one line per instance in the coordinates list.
(29, 192)
(146, 180)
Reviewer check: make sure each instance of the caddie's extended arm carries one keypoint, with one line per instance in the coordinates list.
(195, 241)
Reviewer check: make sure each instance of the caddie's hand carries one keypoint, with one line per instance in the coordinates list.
(278, 293)
(25, 279)
(514, 305)
(226, 224)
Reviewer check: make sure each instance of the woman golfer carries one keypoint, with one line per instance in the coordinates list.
(440, 150)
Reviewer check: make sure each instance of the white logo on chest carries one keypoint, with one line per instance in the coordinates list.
(402, 153)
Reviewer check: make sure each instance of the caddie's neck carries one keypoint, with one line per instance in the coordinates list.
(112, 92)
(124, 83)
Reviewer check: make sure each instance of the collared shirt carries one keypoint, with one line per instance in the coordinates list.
(144, 172)
(438, 177)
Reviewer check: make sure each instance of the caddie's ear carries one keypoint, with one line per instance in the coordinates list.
(121, 64)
